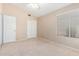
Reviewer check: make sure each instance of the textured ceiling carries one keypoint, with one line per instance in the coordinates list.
(45, 8)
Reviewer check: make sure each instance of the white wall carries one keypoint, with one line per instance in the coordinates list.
(0, 29)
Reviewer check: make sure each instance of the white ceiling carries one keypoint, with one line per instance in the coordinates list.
(45, 8)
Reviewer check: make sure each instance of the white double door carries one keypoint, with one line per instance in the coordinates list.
(31, 27)
(8, 28)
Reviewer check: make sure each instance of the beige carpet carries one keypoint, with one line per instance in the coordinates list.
(35, 47)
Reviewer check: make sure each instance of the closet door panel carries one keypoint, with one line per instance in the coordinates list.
(63, 25)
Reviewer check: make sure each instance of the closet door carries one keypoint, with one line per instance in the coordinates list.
(68, 24)
(63, 23)
(74, 25)
(9, 29)
(0, 29)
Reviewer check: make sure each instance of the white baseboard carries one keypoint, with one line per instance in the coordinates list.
(61, 44)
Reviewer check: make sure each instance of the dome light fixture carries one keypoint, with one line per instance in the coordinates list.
(34, 5)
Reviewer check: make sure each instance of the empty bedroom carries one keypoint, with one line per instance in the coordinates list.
(39, 29)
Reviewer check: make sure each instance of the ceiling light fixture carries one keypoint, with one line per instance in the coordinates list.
(34, 5)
